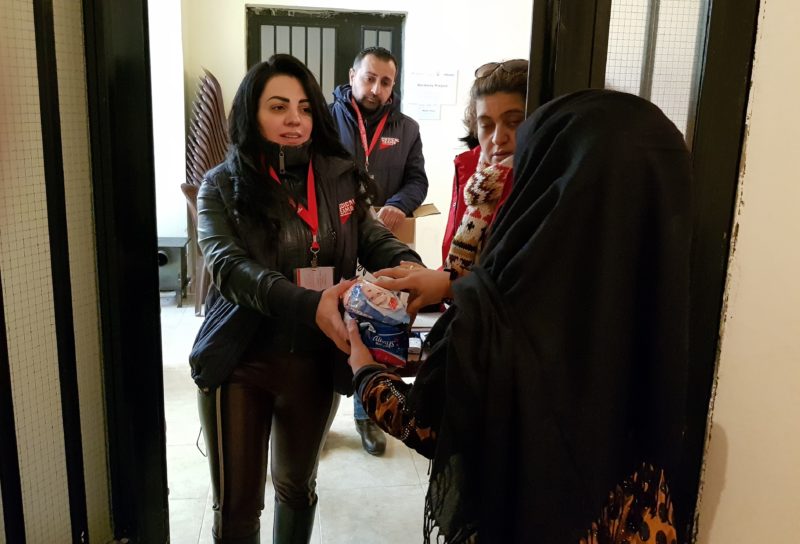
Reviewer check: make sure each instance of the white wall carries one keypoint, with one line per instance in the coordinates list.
(752, 482)
(169, 138)
(448, 34)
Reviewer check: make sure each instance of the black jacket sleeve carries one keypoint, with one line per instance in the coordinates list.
(238, 277)
(384, 392)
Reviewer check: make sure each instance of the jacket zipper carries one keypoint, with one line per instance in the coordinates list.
(281, 163)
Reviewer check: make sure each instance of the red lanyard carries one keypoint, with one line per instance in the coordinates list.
(309, 216)
(362, 129)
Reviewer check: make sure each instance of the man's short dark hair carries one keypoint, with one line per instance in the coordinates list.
(381, 53)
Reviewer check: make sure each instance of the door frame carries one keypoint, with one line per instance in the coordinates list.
(123, 183)
(570, 45)
(571, 41)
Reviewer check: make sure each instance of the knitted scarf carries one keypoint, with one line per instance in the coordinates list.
(481, 195)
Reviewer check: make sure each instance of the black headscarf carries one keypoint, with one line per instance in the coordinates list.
(563, 363)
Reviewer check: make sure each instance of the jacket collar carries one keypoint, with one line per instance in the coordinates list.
(344, 94)
(326, 165)
(281, 157)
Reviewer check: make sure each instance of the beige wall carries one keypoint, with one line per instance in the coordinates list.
(451, 34)
(752, 481)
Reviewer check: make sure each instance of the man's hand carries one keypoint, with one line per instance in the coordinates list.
(359, 354)
(391, 217)
(329, 318)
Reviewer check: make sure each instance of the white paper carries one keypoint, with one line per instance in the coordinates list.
(423, 112)
(435, 87)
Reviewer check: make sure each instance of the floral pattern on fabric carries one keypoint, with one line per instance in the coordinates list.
(384, 396)
(639, 511)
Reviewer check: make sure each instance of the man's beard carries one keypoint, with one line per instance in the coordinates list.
(370, 106)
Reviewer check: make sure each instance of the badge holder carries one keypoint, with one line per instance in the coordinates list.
(314, 277)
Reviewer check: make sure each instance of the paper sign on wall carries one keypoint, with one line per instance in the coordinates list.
(437, 87)
(423, 112)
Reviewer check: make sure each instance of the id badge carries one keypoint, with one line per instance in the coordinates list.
(318, 279)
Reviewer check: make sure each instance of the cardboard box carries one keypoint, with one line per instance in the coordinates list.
(407, 231)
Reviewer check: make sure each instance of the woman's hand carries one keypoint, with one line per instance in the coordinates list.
(424, 286)
(329, 317)
(359, 354)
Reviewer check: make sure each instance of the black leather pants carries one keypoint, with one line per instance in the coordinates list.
(287, 400)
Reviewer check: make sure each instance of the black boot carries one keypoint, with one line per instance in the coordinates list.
(252, 539)
(372, 437)
(291, 525)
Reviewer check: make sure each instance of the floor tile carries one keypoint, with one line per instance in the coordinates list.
(380, 515)
(187, 473)
(345, 465)
(180, 408)
(185, 519)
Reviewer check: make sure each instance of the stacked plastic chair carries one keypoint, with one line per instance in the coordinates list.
(206, 144)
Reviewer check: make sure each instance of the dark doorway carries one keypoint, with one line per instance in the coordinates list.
(569, 44)
(326, 41)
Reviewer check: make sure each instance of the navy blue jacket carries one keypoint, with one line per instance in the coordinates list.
(396, 161)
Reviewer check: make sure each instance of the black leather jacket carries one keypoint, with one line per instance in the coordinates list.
(253, 270)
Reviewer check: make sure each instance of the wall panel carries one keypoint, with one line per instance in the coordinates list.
(27, 286)
(82, 261)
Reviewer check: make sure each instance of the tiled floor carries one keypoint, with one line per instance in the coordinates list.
(362, 499)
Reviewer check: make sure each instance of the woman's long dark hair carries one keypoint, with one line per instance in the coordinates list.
(243, 120)
(251, 197)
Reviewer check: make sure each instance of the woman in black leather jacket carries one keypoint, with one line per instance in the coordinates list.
(280, 222)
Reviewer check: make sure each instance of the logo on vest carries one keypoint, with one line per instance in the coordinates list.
(346, 210)
(389, 142)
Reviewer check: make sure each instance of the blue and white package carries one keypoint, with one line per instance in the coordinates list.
(388, 344)
(382, 321)
(367, 300)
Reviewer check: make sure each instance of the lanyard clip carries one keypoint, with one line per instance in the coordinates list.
(314, 252)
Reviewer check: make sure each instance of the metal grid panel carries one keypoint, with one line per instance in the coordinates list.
(71, 67)
(626, 40)
(654, 50)
(674, 83)
(28, 287)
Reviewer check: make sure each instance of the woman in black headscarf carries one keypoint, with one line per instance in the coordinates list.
(552, 401)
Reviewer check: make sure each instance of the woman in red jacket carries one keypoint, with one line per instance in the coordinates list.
(483, 174)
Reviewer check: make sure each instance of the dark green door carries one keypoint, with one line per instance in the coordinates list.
(326, 41)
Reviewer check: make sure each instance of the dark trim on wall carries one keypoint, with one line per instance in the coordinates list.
(123, 180)
(540, 59)
(569, 46)
(10, 484)
(59, 263)
(718, 139)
